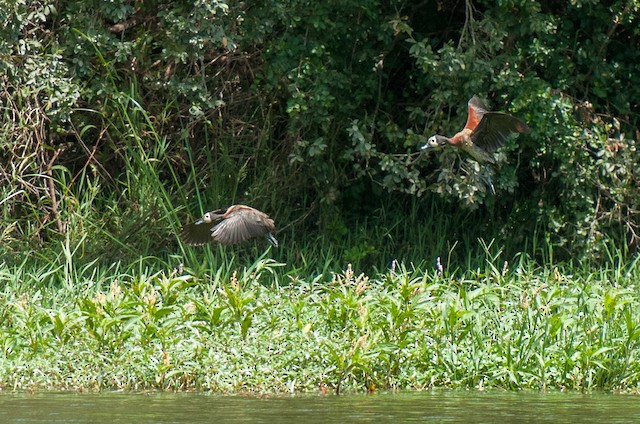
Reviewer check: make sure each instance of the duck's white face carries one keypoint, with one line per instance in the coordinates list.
(432, 143)
(207, 217)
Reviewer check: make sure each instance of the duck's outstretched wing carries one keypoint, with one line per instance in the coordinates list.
(197, 234)
(494, 128)
(477, 110)
(241, 226)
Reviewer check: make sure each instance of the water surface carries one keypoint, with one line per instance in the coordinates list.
(379, 408)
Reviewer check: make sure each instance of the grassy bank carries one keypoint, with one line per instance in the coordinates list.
(123, 123)
(260, 328)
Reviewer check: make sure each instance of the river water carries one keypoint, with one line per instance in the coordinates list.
(380, 408)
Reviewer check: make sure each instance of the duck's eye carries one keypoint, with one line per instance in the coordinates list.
(432, 142)
(207, 217)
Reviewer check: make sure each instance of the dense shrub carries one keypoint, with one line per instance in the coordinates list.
(115, 113)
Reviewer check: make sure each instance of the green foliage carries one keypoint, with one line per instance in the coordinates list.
(520, 327)
(123, 120)
(566, 171)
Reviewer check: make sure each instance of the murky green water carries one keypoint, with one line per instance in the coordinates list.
(381, 408)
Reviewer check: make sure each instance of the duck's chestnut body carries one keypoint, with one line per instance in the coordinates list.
(483, 133)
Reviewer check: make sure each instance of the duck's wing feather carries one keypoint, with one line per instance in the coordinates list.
(477, 109)
(494, 128)
(242, 226)
(197, 234)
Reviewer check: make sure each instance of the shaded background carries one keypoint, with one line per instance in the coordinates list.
(122, 120)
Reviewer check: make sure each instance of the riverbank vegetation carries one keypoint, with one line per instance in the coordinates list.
(508, 326)
(122, 121)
